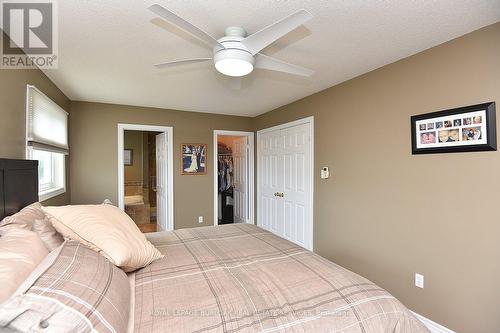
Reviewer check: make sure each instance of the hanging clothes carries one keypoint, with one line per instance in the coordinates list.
(225, 172)
(225, 183)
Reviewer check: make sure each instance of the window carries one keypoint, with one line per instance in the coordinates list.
(47, 142)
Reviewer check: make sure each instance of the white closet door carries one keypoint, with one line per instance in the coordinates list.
(285, 185)
(240, 179)
(271, 181)
(296, 184)
(161, 181)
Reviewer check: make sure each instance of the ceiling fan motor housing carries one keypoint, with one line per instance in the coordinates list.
(235, 59)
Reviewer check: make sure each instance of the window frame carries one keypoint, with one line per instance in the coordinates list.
(44, 187)
(58, 161)
(58, 176)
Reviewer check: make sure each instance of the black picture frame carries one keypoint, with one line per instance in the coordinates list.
(489, 123)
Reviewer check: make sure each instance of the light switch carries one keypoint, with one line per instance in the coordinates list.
(200, 219)
(419, 280)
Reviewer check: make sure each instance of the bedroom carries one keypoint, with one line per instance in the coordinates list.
(383, 212)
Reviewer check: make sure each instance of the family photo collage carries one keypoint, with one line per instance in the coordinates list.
(460, 129)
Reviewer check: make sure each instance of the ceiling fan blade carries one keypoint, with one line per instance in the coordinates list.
(181, 62)
(273, 64)
(259, 40)
(184, 25)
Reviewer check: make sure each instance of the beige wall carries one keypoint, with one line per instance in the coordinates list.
(133, 140)
(145, 160)
(13, 115)
(387, 214)
(94, 154)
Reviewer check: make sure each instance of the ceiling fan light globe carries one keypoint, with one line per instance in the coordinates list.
(234, 62)
(234, 67)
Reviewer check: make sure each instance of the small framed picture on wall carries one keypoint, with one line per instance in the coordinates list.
(464, 129)
(194, 159)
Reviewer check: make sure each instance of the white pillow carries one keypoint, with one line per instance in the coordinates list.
(107, 230)
(47, 233)
(21, 251)
(25, 217)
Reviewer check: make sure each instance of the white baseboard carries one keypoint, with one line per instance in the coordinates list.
(432, 326)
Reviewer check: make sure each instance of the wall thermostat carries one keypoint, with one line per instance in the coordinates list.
(325, 173)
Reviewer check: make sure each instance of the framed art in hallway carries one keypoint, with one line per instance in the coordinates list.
(464, 129)
(194, 159)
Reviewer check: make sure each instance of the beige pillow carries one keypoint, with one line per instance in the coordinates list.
(77, 290)
(21, 251)
(105, 229)
(26, 216)
(49, 236)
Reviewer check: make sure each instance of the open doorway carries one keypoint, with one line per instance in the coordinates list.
(140, 178)
(145, 176)
(233, 177)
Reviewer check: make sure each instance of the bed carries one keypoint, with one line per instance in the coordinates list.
(230, 278)
(241, 278)
(18, 185)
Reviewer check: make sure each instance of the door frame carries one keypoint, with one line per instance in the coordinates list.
(169, 166)
(307, 120)
(251, 172)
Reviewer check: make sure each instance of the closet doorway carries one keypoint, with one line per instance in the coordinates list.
(285, 184)
(233, 177)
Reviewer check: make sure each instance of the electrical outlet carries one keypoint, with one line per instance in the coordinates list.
(419, 280)
(200, 219)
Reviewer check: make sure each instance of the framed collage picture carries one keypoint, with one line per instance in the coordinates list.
(464, 129)
(194, 159)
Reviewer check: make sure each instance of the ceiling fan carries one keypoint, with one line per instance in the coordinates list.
(237, 54)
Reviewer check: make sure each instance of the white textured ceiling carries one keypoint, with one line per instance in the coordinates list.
(107, 47)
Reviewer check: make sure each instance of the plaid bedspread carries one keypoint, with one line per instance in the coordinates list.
(241, 278)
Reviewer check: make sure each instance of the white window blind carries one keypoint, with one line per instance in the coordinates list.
(47, 123)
